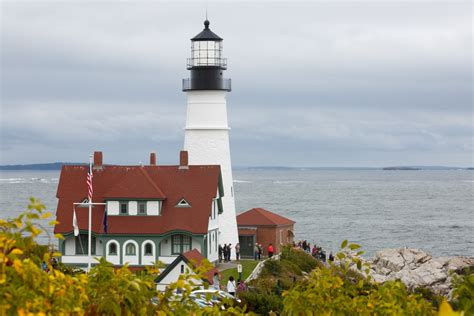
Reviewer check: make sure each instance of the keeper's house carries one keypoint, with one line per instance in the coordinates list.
(153, 212)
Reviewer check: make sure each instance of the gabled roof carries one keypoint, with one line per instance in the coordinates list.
(192, 258)
(135, 183)
(197, 184)
(262, 217)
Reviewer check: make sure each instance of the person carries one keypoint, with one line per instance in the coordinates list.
(229, 250)
(260, 250)
(270, 251)
(216, 281)
(231, 287)
(239, 270)
(241, 287)
(225, 252)
(255, 251)
(278, 288)
(44, 266)
(221, 251)
(237, 252)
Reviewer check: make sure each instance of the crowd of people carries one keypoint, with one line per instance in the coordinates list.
(226, 251)
(232, 287)
(316, 251)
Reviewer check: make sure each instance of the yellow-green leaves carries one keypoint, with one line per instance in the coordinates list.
(344, 244)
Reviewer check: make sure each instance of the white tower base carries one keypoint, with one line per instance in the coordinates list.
(207, 142)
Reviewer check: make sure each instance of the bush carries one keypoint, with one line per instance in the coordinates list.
(25, 288)
(272, 267)
(261, 303)
(463, 294)
(301, 259)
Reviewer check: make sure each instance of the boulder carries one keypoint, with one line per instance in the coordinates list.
(417, 268)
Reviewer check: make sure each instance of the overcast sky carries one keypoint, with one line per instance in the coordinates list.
(314, 84)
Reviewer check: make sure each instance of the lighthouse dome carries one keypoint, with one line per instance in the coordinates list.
(206, 34)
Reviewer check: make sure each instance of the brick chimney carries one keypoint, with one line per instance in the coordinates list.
(152, 159)
(183, 159)
(98, 160)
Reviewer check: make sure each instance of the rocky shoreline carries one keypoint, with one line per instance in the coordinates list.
(417, 268)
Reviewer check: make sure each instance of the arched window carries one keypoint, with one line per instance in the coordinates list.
(113, 249)
(148, 249)
(130, 250)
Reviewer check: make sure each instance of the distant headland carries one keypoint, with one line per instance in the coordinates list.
(38, 166)
(58, 165)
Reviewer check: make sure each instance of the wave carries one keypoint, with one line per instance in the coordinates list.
(242, 181)
(288, 181)
(12, 179)
(27, 180)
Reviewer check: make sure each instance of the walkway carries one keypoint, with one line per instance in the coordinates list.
(226, 265)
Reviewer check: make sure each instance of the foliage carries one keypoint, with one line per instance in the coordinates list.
(262, 304)
(301, 259)
(463, 294)
(344, 287)
(341, 287)
(26, 288)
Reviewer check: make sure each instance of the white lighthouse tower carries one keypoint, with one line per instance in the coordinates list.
(207, 131)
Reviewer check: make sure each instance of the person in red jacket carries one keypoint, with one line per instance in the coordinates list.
(270, 251)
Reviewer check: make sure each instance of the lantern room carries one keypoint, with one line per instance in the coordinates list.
(206, 50)
(206, 63)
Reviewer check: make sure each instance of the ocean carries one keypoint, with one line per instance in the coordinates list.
(428, 210)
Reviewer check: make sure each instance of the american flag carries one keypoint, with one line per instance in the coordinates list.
(89, 184)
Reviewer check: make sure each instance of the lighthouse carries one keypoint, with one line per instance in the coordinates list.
(207, 131)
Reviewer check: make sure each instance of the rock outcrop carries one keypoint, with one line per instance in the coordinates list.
(417, 268)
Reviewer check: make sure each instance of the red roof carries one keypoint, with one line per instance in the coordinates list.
(262, 217)
(197, 184)
(195, 258)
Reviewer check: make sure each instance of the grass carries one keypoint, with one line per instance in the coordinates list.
(247, 268)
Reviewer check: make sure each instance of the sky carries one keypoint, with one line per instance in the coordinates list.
(314, 84)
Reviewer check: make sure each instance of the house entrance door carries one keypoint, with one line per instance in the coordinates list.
(246, 246)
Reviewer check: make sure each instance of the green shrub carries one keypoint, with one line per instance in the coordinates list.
(261, 303)
(272, 267)
(26, 289)
(463, 294)
(304, 261)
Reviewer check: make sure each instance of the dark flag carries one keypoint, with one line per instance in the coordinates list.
(105, 222)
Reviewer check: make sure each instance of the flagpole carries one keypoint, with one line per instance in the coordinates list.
(89, 241)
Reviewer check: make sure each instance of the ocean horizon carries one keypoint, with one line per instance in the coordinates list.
(429, 210)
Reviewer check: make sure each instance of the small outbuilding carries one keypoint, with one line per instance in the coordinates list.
(264, 227)
(185, 263)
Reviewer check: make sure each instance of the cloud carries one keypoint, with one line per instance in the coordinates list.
(380, 82)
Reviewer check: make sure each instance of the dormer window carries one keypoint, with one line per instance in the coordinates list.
(123, 208)
(183, 203)
(84, 203)
(142, 208)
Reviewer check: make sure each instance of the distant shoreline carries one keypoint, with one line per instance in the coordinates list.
(58, 166)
